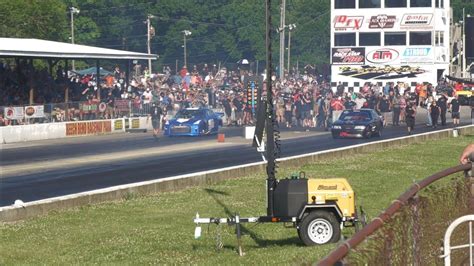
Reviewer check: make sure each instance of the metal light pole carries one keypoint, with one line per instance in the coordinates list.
(148, 27)
(463, 43)
(185, 33)
(73, 11)
(271, 178)
(282, 38)
(291, 27)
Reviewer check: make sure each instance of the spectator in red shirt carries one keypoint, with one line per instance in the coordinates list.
(337, 107)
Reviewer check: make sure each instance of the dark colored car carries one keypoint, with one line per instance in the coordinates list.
(193, 122)
(363, 123)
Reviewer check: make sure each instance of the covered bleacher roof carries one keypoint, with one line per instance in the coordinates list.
(35, 48)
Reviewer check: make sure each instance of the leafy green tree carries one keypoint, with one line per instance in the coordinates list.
(43, 19)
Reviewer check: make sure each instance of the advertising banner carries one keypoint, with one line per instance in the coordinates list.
(383, 56)
(348, 23)
(135, 123)
(118, 125)
(348, 56)
(382, 22)
(88, 128)
(419, 55)
(416, 21)
(35, 111)
(381, 73)
(14, 113)
(122, 105)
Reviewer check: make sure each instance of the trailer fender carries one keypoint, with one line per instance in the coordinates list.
(329, 207)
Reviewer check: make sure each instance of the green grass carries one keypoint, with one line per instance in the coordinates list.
(159, 229)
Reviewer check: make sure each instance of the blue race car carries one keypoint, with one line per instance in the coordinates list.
(193, 122)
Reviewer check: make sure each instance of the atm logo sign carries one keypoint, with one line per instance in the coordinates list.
(343, 23)
(382, 56)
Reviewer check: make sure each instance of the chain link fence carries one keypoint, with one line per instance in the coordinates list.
(414, 235)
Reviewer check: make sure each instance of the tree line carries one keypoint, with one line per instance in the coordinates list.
(222, 30)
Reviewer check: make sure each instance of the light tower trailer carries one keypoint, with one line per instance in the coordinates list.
(317, 208)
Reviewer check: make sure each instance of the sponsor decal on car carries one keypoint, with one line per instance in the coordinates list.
(382, 56)
(348, 56)
(382, 22)
(343, 22)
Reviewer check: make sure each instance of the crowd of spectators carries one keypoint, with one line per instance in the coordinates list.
(303, 100)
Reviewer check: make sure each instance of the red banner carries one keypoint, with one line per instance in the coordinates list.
(122, 105)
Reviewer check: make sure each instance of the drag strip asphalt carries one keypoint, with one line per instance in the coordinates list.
(39, 170)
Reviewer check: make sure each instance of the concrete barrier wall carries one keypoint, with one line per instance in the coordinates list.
(11, 134)
(21, 133)
(42, 207)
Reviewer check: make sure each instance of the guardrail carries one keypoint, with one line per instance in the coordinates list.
(342, 251)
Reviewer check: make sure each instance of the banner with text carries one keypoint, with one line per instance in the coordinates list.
(88, 128)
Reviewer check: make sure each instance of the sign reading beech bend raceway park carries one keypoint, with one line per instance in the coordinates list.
(348, 56)
(88, 128)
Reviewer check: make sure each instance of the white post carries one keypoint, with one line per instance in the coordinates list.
(463, 43)
(185, 61)
(148, 41)
(289, 49)
(73, 10)
(282, 38)
(185, 33)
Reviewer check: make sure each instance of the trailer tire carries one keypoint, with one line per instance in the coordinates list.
(318, 228)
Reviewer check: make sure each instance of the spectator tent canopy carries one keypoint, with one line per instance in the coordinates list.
(44, 49)
(35, 48)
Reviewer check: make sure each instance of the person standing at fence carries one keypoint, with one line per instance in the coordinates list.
(443, 106)
(384, 107)
(410, 113)
(434, 113)
(396, 110)
(455, 110)
(155, 113)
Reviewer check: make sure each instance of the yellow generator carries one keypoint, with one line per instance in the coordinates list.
(317, 208)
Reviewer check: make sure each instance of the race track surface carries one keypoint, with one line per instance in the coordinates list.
(43, 169)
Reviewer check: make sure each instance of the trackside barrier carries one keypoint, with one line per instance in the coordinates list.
(11, 134)
(342, 251)
(42, 207)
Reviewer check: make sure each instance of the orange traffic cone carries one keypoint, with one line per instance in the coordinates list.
(220, 137)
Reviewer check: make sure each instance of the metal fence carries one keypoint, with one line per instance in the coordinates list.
(411, 230)
(89, 110)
